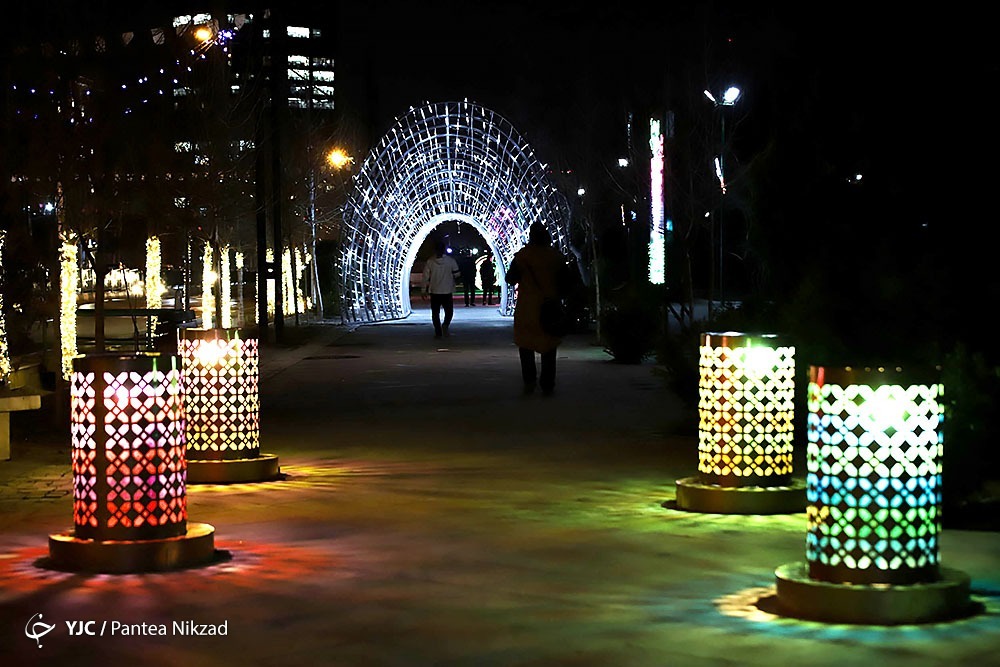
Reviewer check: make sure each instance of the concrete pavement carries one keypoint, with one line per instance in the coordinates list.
(429, 514)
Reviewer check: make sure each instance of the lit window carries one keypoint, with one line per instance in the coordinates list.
(298, 61)
(322, 75)
(294, 31)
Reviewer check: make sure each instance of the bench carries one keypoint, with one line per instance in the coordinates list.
(14, 400)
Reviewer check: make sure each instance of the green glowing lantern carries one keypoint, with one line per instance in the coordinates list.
(873, 475)
(873, 488)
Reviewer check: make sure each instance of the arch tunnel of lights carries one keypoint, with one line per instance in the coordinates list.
(446, 161)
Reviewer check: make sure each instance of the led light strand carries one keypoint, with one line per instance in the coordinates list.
(657, 245)
(226, 289)
(5, 367)
(207, 288)
(443, 161)
(68, 301)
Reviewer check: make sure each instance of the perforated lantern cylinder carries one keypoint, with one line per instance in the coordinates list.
(746, 410)
(874, 475)
(129, 470)
(221, 371)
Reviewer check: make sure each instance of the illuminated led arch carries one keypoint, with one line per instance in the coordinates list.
(440, 162)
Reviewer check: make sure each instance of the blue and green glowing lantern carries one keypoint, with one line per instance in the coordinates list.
(874, 475)
(746, 409)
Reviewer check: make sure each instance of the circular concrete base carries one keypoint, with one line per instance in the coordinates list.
(871, 604)
(196, 547)
(696, 496)
(260, 469)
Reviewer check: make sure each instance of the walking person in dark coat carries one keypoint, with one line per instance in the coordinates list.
(538, 270)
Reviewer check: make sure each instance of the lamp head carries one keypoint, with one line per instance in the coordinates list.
(731, 95)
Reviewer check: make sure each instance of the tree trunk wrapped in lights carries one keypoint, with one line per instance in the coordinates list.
(68, 299)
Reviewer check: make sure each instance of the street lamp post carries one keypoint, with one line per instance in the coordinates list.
(727, 99)
(338, 159)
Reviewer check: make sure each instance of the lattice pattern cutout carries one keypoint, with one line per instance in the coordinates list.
(746, 411)
(874, 479)
(221, 397)
(147, 472)
(82, 430)
(129, 472)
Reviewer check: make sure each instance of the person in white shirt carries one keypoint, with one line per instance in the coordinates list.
(440, 273)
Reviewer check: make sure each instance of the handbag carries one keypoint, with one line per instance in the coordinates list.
(553, 316)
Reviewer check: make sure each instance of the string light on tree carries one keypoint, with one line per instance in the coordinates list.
(208, 277)
(226, 290)
(5, 367)
(68, 299)
(154, 280)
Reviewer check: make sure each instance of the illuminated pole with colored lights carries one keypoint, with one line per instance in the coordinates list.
(874, 501)
(657, 234)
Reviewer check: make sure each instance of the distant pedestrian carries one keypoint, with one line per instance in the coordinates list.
(467, 267)
(440, 274)
(539, 272)
(488, 277)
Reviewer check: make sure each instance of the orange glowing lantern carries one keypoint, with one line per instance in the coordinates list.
(220, 375)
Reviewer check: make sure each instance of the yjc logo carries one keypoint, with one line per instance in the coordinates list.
(37, 629)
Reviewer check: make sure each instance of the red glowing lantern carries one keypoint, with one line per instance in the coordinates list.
(129, 468)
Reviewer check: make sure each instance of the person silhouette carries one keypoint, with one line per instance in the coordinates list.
(488, 277)
(539, 272)
(440, 273)
(467, 267)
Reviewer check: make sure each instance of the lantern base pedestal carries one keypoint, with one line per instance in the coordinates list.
(693, 495)
(196, 547)
(873, 604)
(260, 469)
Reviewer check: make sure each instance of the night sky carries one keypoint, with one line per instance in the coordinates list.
(904, 97)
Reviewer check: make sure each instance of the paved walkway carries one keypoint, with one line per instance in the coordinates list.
(430, 514)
